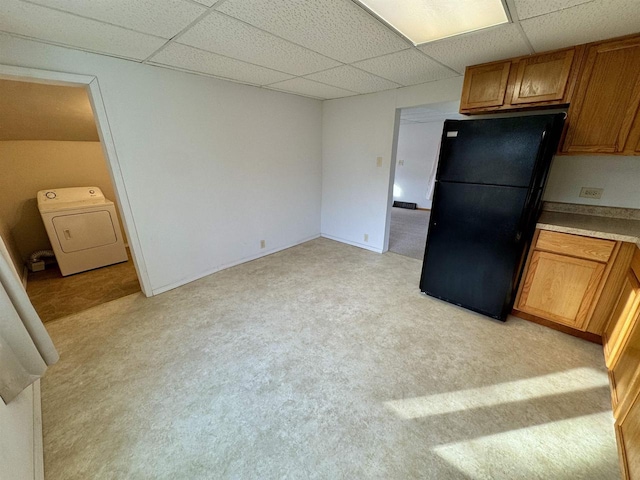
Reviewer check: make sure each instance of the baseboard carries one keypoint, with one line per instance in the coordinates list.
(351, 242)
(166, 288)
(25, 276)
(424, 209)
(38, 446)
(591, 337)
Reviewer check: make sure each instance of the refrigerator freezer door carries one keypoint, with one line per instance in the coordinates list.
(500, 151)
(474, 246)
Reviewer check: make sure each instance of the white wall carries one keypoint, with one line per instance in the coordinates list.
(416, 159)
(210, 167)
(619, 176)
(355, 131)
(29, 166)
(21, 455)
(21, 436)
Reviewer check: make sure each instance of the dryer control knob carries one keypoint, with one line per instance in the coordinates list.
(50, 195)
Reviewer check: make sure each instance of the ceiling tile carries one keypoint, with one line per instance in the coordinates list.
(227, 36)
(66, 29)
(309, 88)
(478, 47)
(336, 28)
(189, 58)
(353, 79)
(408, 67)
(164, 18)
(533, 8)
(585, 23)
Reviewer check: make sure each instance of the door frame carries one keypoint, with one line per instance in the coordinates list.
(91, 85)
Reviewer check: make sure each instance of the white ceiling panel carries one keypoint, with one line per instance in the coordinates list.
(534, 8)
(353, 79)
(188, 58)
(589, 22)
(164, 18)
(336, 28)
(221, 34)
(208, 3)
(479, 47)
(66, 29)
(309, 88)
(408, 67)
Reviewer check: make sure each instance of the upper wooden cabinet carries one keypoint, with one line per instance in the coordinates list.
(543, 78)
(539, 80)
(485, 85)
(605, 105)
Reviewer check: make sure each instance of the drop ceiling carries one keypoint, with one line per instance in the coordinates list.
(317, 48)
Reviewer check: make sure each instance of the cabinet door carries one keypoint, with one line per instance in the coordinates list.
(628, 433)
(606, 101)
(626, 367)
(623, 313)
(633, 142)
(543, 78)
(560, 288)
(485, 85)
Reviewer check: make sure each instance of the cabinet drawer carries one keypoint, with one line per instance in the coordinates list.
(575, 245)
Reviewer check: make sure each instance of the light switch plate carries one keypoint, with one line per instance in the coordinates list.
(591, 192)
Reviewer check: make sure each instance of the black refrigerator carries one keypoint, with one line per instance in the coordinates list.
(488, 194)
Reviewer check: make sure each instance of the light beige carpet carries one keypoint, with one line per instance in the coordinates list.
(408, 232)
(324, 362)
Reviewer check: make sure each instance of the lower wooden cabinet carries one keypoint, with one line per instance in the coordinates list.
(626, 309)
(593, 285)
(628, 436)
(564, 278)
(622, 355)
(560, 288)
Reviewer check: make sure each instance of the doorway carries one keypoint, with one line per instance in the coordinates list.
(416, 157)
(50, 142)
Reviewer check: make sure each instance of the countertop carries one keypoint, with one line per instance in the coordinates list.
(610, 228)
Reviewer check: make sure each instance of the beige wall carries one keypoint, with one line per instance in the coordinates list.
(29, 166)
(10, 245)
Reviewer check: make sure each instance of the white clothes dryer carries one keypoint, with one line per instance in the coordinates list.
(83, 228)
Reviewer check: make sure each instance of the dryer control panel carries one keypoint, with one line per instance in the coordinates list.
(54, 198)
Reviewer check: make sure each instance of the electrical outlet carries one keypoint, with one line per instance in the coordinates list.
(263, 244)
(366, 237)
(591, 192)
(401, 162)
(379, 161)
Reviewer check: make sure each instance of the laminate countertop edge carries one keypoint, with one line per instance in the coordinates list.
(607, 228)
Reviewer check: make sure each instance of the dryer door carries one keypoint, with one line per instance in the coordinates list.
(82, 231)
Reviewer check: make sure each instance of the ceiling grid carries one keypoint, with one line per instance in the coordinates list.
(321, 49)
